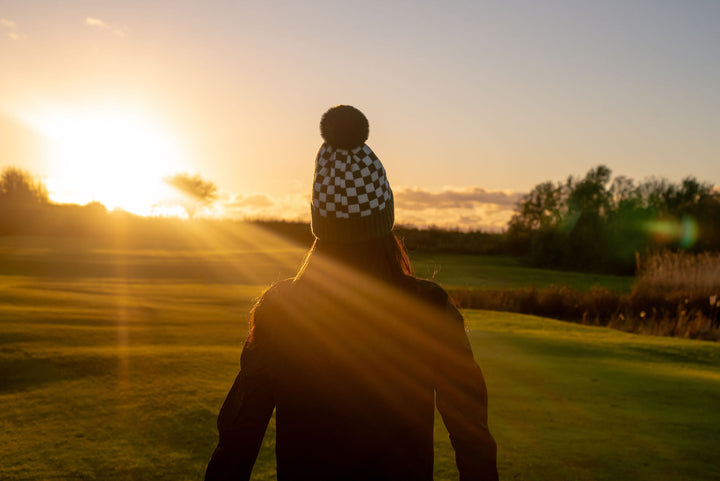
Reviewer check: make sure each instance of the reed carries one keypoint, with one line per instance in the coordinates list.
(675, 294)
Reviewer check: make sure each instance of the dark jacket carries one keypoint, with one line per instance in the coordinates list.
(354, 377)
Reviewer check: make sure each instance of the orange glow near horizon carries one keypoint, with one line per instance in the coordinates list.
(111, 155)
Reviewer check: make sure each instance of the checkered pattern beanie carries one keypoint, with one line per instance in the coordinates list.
(351, 198)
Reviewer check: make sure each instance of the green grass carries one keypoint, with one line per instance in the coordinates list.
(499, 272)
(579, 402)
(114, 380)
(259, 259)
(111, 378)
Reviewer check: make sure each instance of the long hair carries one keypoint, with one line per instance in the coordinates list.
(384, 258)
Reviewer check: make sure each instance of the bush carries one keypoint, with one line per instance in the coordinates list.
(676, 313)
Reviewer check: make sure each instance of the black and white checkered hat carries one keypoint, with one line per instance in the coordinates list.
(351, 199)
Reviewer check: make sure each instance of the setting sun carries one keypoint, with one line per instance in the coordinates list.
(113, 156)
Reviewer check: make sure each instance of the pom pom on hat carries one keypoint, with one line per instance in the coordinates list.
(344, 127)
(351, 198)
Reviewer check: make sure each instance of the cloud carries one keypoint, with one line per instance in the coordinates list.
(480, 218)
(467, 198)
(9, 24)
(17, 36)
(98, 23)
(242, 206)
(470, 208)
(95, 22)
(245, 201)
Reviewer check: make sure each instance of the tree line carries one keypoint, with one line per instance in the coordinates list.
(593, 223)
(600, 223)
(25, 209)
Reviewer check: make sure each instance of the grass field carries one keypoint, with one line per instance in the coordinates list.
(501, 272)
(264, 260)
(120, 376)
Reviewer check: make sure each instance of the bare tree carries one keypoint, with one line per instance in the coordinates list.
(18, 187)
(196, 190)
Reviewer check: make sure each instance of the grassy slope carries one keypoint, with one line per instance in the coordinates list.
(109, 379)
(491, 271)
(578, 402)
(257, 259)
(114, 380)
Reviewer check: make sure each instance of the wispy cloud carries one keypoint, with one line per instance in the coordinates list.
(245, 201)
(17, 36)
(471, 208)
(94, 22)
(10, 25)
(98, 23)
(464, 198)
(289, 207)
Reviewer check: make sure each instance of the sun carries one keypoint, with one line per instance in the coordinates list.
(111, 155)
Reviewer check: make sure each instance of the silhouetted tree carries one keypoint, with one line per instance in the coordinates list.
(18, 187)
(540, 211)
(23, 201)
(196, 190)
(596, 223)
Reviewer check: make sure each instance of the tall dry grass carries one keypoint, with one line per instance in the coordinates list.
(675, 294)
(680, 271)
(678, 293)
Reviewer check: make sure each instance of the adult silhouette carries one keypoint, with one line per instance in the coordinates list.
(354, 353)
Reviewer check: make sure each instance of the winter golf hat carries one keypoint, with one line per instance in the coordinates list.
(351, 198)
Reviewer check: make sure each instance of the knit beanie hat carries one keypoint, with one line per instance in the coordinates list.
(351, 199)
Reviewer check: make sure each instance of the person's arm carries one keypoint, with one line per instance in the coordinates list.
(461, 398)
(243, 417)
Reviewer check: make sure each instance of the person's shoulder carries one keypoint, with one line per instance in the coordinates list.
(266, 306)
(430, 291)
(277, 290)
(278, 287)
(437, 296)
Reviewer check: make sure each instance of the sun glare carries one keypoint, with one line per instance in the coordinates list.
(113, 156)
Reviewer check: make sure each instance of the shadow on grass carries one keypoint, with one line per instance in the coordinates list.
(29, 373)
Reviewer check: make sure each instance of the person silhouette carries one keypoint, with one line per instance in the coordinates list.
(354, 353)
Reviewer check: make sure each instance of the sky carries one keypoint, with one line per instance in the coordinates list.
(470, 103)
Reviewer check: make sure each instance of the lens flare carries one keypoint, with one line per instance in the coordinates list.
(684, 232)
